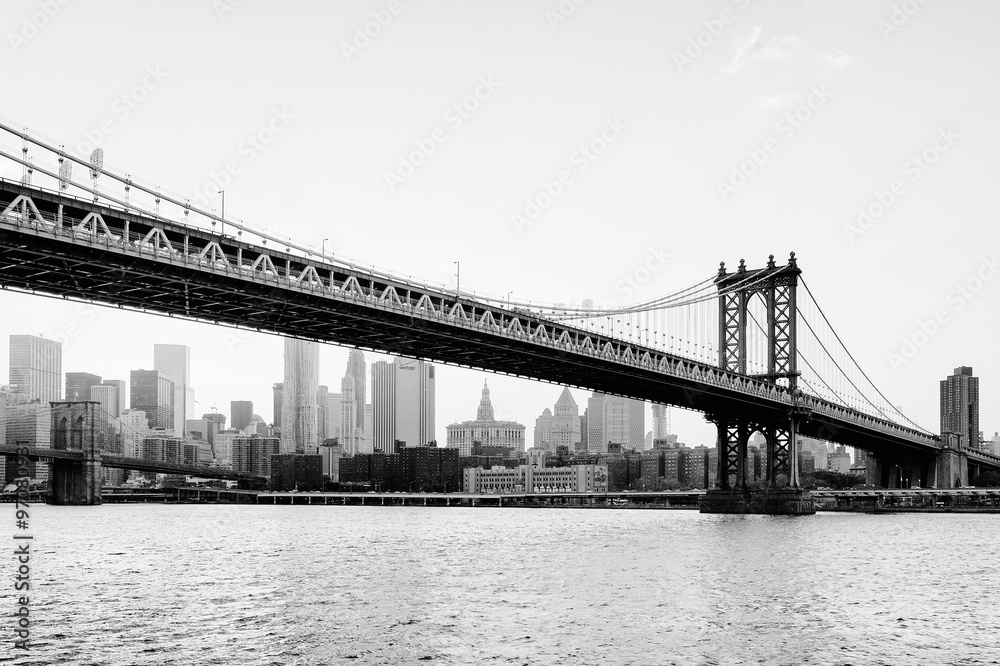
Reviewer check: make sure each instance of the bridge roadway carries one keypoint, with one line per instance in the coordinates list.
(124, 462)
(55, 244)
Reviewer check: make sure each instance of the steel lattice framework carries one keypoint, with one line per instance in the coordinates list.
(775, 285)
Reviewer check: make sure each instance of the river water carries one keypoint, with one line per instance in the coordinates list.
(260, 585)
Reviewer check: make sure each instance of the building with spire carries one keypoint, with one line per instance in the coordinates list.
(485, 430)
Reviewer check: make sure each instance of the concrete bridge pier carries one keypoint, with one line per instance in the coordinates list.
(952, 466)
(75, 428)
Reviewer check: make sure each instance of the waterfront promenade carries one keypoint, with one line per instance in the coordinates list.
(986, 500)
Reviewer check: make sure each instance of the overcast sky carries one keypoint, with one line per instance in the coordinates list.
(720, 130)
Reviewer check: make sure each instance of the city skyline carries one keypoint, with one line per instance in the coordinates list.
(581, 396)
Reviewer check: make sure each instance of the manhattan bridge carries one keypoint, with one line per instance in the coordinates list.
(749, 347)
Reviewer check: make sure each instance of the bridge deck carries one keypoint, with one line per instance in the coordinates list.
(73, 248)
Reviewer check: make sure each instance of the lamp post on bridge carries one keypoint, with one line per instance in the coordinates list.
(324, 247)
(222, 227)
(458, 278)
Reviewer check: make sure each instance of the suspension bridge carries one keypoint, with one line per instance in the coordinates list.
(750, 348)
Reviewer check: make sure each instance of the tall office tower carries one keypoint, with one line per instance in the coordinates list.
(78, 385)
(134, 427)
(485, 430)
(107, 396)
(960, 406)
(636, 423)
(617, 420)
(333, 415)
(322, 418)
(153, 392)
(583, 429)
(298, 405)
(565, 422)
(356, 369)
(415, 402)
(661, 421)
(366, 441)
(175, 362)
(122, 391)
(383, 432)
(240, 413)
(29, 424)
(597, 442)
(543, 431)
(350, 429)
(279, 397)
(35, 368)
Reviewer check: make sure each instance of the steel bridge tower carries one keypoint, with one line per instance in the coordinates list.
(775, 286)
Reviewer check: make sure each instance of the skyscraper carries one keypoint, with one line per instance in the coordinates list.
(153, 392)
(35, 368)
(240, 413)
(960, 406)
(30, 425)
(78, 385)
(414, 402)
(279, 398)
(121, 387)
(661, 422)
(356, 369)
(299, 412)
(383, 433)
(322, 418)
(543, 431)
(350, 428)
(565, 422)
(614, 419)
(333, 415)
(107, 396)
(175, 362)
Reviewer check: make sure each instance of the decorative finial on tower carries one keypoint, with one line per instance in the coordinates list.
(770, 261)
(791, 259)
(743, 266)
(722, 269)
